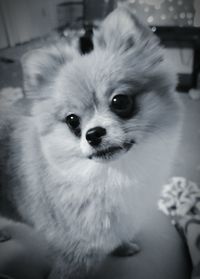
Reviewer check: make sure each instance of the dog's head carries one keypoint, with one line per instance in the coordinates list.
(99, 105)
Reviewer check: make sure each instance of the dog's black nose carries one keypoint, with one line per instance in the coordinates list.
(94, 135)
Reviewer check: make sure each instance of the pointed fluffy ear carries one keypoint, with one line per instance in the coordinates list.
(122, 30)
(41, 66)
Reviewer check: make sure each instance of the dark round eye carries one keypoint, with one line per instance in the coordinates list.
(123, 105)
(73, 121)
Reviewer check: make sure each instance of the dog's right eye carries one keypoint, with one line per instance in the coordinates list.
(124, 106)
(73, 121)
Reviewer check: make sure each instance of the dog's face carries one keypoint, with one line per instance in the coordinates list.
(103, 104)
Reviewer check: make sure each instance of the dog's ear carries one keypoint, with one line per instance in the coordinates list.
(122, 31)
(41, 66)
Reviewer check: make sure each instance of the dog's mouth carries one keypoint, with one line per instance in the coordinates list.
(112, 151)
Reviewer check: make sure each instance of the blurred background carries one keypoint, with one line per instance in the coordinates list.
(29, 24)
(26, 24)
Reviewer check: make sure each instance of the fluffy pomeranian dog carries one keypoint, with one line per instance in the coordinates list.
(99, 124)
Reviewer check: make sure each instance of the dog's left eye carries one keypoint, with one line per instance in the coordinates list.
(73, 121)
(123, 105)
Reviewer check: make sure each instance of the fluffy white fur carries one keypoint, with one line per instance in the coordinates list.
(86, 208)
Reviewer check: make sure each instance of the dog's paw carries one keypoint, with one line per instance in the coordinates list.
(126, 250)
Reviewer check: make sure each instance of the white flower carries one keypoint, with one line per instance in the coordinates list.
(179, 197)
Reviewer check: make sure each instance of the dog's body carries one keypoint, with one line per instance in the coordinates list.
(54, 176)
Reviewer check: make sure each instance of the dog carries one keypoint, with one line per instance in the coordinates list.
(99, 123)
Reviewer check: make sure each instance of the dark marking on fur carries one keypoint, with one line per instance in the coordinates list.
(95, 99)
(83, 206)
(130, 42)
(126, 250)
